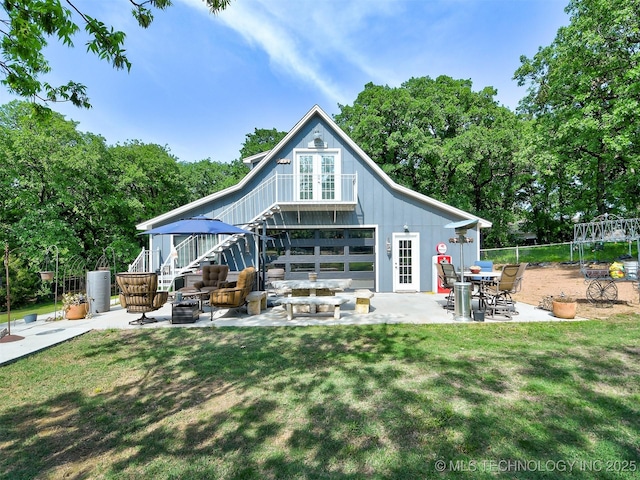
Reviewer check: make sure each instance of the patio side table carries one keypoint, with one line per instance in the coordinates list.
(185, 311)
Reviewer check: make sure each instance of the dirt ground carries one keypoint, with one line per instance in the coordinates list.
(553, 279)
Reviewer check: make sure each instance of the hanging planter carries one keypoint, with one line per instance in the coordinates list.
(46, 275)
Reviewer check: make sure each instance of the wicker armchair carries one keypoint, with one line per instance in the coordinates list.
(139, 294)
(233, 294)
(212, 277)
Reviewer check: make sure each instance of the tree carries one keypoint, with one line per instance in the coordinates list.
(29, 23)
(148, 180)
(206, 177)
(261, 140)
(67, 188)
(442, 139)
(38, 151)
(584, 95)
(53, 181)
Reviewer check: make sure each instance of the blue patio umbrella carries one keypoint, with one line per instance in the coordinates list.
(200, 226)
(196, 226)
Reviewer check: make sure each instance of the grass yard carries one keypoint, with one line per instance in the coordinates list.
(520, 401)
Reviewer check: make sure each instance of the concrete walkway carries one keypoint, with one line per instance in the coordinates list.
(409, 308)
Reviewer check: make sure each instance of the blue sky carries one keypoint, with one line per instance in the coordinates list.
(200, 82)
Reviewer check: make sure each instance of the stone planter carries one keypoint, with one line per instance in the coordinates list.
(76, 312)
(564, 309)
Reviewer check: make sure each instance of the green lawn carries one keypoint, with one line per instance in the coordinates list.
(492, 400)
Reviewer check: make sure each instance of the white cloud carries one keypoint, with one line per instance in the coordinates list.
(304, 39)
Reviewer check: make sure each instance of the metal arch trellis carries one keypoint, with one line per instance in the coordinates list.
(74, 275)
(103, 263)
(607, 228)
(601, 287)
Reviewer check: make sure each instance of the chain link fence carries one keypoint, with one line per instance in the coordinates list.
(556, 252)
(567, 252)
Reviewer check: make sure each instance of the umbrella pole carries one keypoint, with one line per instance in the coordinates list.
(264, 254)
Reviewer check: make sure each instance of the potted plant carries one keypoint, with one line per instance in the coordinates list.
(75, 305)
(46, 275)
(564, 306)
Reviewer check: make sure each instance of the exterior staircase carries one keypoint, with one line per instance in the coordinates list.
(277, 192)
(188, 255)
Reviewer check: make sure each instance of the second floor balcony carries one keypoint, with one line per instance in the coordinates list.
(291, 192)
(316, 191)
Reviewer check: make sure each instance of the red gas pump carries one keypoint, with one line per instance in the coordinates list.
(441, 249)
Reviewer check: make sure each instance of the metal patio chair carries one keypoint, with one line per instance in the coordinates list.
(498, 295)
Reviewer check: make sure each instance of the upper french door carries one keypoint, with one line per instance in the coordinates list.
(318, 176)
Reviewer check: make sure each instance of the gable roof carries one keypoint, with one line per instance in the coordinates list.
(264, 158)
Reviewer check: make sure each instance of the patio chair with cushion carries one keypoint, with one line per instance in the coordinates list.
(519, 277)
(498, 295)
(448, 276)
(139, 294)
(212, 277)
(233, 294)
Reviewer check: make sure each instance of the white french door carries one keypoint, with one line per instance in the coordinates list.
(318, 176)
(406, 262)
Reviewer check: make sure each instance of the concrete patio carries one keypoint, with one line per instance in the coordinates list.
(409, 308)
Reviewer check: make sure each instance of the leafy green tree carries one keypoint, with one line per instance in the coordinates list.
(38, 149)
(584, 95)
(27, 26)
(206, 177)
(52, 182)
(148, 180)
(261, 140)
(66, 188)
(442, 139)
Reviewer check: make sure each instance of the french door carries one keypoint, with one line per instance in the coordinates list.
(318, 176)
(406, 262)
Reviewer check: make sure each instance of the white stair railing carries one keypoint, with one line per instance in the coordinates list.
(252, 204)
(188, 254)
(142, 263)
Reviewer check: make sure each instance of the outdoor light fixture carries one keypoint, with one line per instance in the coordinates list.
(406, 227)
(388, 246)
(317, 135)
(453, 240)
